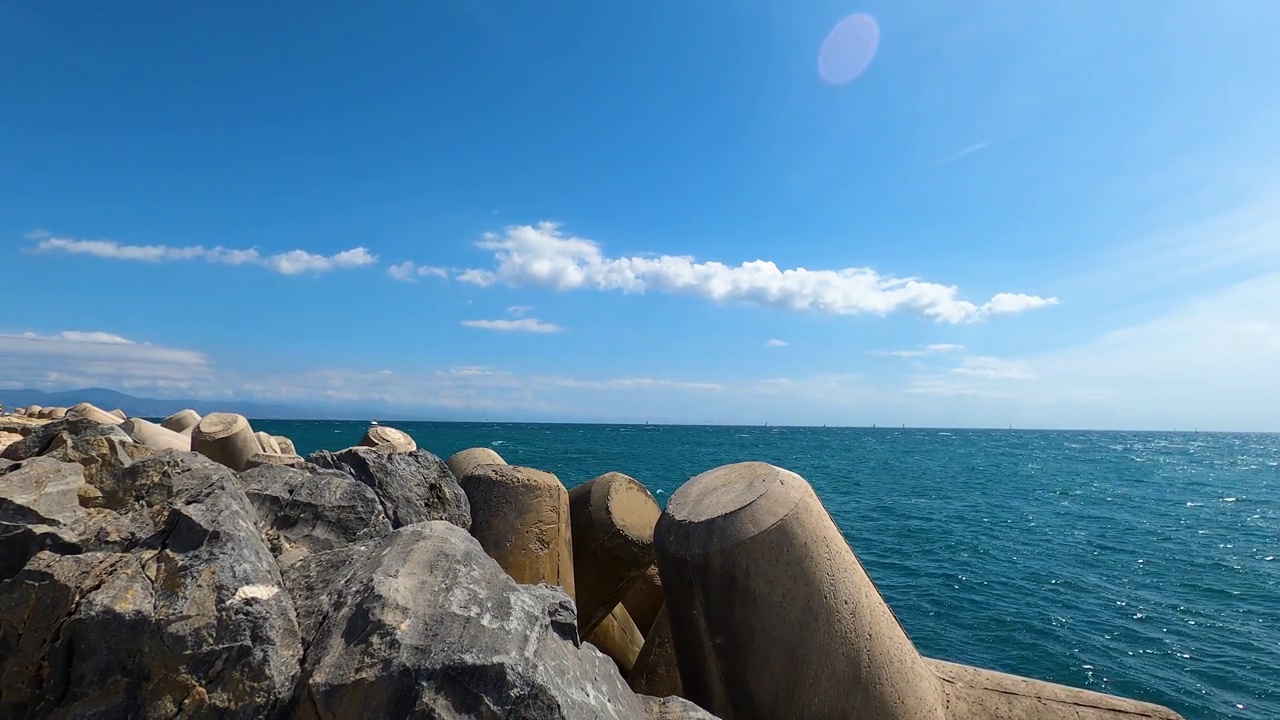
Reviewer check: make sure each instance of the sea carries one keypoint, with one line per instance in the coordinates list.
(1146, 565)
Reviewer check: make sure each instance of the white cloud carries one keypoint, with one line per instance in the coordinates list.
(519, 310)
(543, 257)
(776, 343)
(528, 325)
(407, 271)
(943, 347)
(994, 369)
(293, 262)
(74, 358)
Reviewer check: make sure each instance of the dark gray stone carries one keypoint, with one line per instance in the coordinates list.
(672, 708)
(316, 584)
(428, 626)
(413, 487)
(39, 503)
(313, 510)
(37, 443)
(193, 621)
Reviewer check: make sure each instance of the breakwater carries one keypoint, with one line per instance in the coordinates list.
(930, 686)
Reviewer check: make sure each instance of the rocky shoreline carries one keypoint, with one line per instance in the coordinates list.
(195, 568)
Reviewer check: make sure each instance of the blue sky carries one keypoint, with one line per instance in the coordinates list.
(932, 213)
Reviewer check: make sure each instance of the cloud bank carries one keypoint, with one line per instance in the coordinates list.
(541, 256)
(293, 262)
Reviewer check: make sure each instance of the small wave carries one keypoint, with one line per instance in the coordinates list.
(498, 442)
(1229, 499)
(1194, 504)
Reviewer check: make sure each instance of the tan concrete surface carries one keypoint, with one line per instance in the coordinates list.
(521, 518)
(286, 445)
(183, 421)
(618, 637)
(225, 438)
(645, 599)
(463, 462)
(772, 615)
(153, 435)
(656, 672)
(267, 443)
(613, 517)
(388, 437)
(91, 412)
(974, 693)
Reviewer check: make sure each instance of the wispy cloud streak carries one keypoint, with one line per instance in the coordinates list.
(293, 262)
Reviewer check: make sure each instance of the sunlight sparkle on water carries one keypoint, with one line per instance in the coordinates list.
(848, 49)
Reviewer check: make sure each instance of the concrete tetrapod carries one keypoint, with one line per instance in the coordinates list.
(286, 445)
(268, 443)
(521, 518)
(463, 462)
(119, 413)
(225, 438)
(183, 421)
(773, 616)
(381, 436)
(613, 518)
(153, 435)
(34, 410)
(617, 637)
(54, 413)
(656, 672)
(645, 599)
(94, 413)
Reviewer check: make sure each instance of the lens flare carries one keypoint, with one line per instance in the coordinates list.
(848, 49)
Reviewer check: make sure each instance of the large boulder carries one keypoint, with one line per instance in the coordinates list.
(313, 510)
(427, 625)
(190, 622)
(38, 439)
(413, 487)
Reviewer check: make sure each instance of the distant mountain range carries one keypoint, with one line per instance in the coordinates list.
(148, 407)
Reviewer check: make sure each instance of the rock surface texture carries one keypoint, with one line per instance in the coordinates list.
(426, 625)
(413, 487)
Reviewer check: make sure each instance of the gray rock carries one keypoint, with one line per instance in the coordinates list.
(45, 504)
(672, 708)
(39, 501)
(428, 626)
(413, 487)
(314, 509)
(193, 621)
(317, 583)
(38, 441)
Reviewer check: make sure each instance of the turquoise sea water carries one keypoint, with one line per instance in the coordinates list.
(1141, 564)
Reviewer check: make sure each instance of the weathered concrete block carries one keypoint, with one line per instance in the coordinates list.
(773, 616)
(656, 671)
(91, 412)
(463, 462)
(225, 438)
(645, 599)
(613, 517)
(617, 637)
(183, 421)
(156, 436)
(388, 437)
(521, 518)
